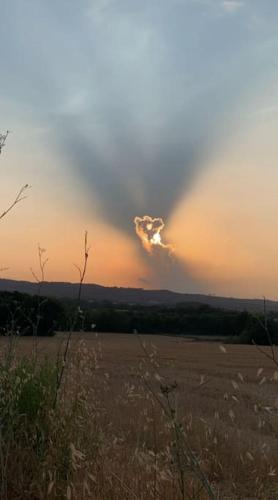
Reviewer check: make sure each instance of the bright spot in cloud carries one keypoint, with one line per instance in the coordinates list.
(148, 229)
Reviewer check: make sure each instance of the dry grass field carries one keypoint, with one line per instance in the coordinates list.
(135, 393)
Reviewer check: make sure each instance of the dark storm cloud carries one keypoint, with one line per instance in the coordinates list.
(166, 89)
(131, 183)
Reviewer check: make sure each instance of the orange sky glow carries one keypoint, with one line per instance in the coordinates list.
(119, 110)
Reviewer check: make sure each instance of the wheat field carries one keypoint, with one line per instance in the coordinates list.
(123, 442)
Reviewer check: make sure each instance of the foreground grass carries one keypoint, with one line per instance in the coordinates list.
(128, 417)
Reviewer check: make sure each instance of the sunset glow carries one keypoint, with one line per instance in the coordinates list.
(148, 230)
(168, 109)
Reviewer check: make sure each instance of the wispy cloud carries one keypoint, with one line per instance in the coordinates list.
(231, 6)
(220, 6)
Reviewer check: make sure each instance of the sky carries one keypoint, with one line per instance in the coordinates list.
(120, 109)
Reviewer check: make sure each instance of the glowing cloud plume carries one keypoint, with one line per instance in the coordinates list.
(148, 229)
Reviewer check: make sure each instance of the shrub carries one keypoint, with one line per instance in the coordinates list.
(25, 314)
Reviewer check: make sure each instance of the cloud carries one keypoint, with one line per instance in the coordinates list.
(144, 281)
(265, 112)
(232, 6)
(148, 230)
(134, 100)
(229, 6)
(136, 96)
(98, 6)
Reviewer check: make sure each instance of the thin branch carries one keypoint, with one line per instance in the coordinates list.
(3, 138)
(42, 263)
(266, 329)
(82, 274)
(39, 278)
(82, 271)
(19, 197)
(264, 325)
(272, 357)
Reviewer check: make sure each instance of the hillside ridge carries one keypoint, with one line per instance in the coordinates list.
(98, 293)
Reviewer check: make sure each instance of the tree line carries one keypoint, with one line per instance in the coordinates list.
(23, 314)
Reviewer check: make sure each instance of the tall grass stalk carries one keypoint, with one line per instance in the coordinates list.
(82, 273)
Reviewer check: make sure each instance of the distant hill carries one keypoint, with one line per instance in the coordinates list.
(98, 293)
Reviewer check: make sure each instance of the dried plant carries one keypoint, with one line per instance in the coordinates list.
(82, 270)
(19, 197)
(39, 278)
(3, 138)
(82, 273)
(273, 356)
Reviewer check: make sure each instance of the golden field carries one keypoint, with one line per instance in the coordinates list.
(148, 404)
